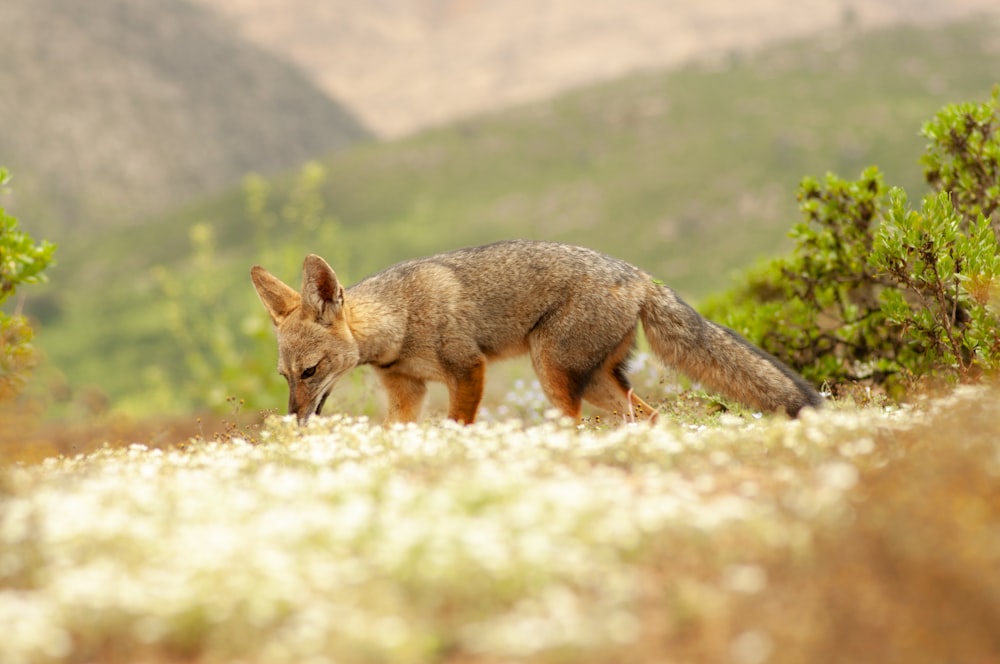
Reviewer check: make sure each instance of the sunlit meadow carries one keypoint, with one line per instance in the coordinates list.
(852, 534)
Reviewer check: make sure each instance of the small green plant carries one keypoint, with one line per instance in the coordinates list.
(22, 261)
(217, 346)
(878, 291)
(213, 314)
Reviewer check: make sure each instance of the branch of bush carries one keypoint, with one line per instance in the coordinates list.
(22, 261)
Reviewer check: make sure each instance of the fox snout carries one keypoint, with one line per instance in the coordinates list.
(302, 403)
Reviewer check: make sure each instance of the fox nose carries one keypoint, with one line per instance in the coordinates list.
(293, 409)
(301, 412)
(302, 403)
(301, 416)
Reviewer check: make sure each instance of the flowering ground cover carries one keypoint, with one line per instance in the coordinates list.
(852, 534)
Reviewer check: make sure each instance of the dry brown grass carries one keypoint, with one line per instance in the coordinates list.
(25, 436)
(908, 572)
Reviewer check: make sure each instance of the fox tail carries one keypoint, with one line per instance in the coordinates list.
(721, 359)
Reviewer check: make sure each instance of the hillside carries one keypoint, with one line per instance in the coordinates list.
(404, 65)
(115, 109)
(690, 174)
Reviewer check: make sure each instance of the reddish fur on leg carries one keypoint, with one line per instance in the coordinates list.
(465, 395)
(562, 389)
(405, 397)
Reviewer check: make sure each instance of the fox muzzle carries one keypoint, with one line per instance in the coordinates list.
(304, 408)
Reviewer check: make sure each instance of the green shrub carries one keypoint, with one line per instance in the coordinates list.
(878, 291)
(22, 261)
(943, 275)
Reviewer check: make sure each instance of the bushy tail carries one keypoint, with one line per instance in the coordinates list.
(719, 358)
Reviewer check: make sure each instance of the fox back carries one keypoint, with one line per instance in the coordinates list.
(442, 318)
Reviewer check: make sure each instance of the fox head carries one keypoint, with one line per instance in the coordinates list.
(315, 345)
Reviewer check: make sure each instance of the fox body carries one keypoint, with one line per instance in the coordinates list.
(442, 318)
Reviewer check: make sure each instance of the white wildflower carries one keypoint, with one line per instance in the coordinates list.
(745, 579)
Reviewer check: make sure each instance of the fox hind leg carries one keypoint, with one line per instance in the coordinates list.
(609, 389)
(563, 387)
(600, 377)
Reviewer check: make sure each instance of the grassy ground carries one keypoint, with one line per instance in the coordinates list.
(690, 174)
(851, 535)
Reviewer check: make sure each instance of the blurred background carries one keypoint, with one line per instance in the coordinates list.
(167, 145)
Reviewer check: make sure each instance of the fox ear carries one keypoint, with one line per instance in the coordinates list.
(279, 298)
(321, 291)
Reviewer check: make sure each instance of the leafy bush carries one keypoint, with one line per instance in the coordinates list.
(22, 261)
(963, 157)
(881, 292)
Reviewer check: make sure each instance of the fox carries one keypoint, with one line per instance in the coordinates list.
(444, 318)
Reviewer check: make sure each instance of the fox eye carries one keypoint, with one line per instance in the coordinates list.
(310, 372)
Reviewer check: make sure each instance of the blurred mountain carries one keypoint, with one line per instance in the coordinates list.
(402, 65)
(115, 109)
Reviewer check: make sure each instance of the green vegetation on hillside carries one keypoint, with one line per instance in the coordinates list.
(689, 174)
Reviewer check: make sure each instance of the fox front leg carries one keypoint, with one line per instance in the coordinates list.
(405, 396)
(465, 391)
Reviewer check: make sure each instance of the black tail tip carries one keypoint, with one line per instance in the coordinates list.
(810, 399)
